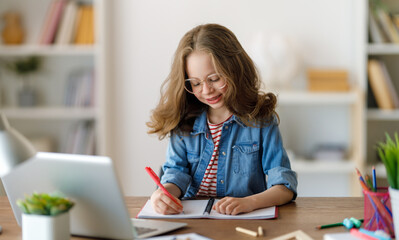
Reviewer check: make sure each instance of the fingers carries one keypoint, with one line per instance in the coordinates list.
(229, 206)
(165, 205)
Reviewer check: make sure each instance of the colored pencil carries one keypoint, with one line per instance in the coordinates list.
(374, 180)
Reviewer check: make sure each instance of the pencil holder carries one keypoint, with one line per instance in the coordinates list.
(378, 211)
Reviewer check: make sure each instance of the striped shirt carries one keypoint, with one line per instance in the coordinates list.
(209, 181)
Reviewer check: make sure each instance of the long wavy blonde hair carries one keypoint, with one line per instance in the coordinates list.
(178, 109)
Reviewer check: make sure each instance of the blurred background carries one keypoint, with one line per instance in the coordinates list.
(83, 76)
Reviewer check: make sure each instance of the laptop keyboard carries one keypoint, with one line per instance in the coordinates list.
(143, 230)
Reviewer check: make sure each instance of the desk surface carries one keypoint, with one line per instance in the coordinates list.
(304, 214)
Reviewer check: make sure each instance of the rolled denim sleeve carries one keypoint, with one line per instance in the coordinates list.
(276, 164)
(176, 167)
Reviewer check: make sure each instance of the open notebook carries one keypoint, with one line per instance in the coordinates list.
(196, 208)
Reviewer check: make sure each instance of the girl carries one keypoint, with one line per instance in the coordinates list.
(224, 136)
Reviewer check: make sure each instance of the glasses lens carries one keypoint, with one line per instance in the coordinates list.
(191, 85)
(216, 81)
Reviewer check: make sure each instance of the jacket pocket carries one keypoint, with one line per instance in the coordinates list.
(245, 158)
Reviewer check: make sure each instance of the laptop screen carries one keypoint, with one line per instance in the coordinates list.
(90, 181)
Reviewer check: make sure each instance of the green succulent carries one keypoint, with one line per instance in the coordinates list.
(389, 154)
(45, 204)
(25, 65)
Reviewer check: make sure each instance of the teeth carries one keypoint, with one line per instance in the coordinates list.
(214, 98)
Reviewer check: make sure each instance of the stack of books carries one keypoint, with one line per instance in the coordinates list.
(68, 22)
(327, 80)
(79, 89)
(80, 139)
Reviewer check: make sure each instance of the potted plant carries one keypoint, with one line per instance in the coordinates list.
(24, 67)
(45, 216)
(389, 153)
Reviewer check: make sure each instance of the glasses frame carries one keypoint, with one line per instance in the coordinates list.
(202, 83)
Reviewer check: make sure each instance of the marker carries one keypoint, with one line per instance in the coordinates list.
(156, 179)
(330, 225)
(209, 206)
(356, 223)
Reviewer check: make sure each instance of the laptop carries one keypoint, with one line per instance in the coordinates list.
(91, 182)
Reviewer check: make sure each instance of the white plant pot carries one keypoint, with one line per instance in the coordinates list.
(43, 227)
(394, 194)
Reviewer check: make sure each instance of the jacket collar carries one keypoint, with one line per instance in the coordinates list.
(201, 125)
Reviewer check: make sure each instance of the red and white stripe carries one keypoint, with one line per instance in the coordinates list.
(209, 181)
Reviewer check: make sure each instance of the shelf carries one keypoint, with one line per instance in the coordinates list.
(323, 166)
(47, 50)
(50, 113)
(386, 115)
(320, 98)
(383, 49)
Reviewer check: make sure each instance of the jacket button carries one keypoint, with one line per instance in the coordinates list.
(221, 181)
(227, 127)
(224, 154)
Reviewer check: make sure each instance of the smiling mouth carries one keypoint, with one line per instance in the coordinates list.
(214, 99)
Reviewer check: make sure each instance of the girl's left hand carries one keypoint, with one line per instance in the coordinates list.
(233, 206)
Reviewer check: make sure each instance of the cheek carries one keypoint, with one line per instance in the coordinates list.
(224, 90)
(197, 95)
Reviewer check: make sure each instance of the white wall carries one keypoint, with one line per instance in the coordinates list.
(144, 34)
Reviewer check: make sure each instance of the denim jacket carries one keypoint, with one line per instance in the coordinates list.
(246, 156)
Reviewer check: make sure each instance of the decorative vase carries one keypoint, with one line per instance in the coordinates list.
(45, 227)
(26, 97)
(12, 33)
(394, 194)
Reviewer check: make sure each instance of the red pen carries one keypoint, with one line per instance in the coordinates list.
(156, 179)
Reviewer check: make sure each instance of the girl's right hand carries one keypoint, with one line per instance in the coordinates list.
(163, 204)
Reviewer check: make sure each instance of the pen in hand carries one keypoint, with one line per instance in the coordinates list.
(156, 179)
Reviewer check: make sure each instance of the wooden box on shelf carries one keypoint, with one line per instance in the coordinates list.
(320, 80)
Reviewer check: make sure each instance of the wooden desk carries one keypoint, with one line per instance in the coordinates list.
(304, 214)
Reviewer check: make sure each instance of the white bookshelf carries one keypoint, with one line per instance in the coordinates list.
(378, 121)
(50, 118)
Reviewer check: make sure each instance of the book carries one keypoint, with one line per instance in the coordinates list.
(196, 208)
(387, 25)
(65, 31)
(52, 22)
(47, 21)
(376, 33)
(391, 88)
(379, 85)
(85, 25)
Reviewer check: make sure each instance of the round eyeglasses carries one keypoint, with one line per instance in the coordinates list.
(195, 85)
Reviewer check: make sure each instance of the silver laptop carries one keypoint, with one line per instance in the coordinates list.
(91, 182)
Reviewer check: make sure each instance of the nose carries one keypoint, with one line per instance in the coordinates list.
(206, 87)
